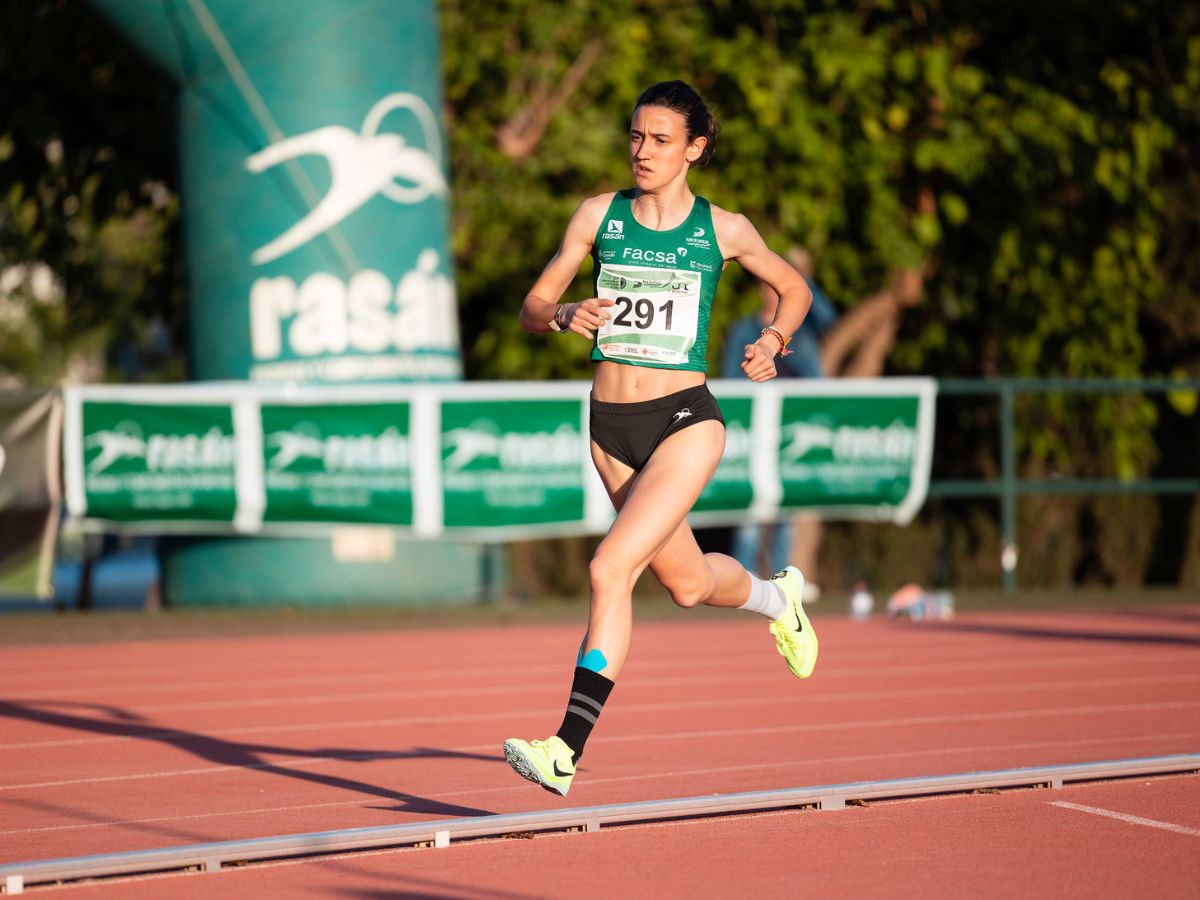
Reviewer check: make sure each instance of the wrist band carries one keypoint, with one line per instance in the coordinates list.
(556, 326)
(774, 332)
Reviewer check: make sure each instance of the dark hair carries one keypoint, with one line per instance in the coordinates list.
(681, 97)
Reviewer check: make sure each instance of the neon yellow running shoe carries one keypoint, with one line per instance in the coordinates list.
(549, 763)
(794, 635)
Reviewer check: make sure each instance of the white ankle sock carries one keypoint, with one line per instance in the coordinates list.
(765, 599)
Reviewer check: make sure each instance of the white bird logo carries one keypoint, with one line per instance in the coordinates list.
(469, 444)
(302, 443)
(361, 165)
(803, 437)
(125, 442)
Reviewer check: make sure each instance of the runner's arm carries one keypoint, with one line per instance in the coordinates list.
(739, 240)
(541, 303)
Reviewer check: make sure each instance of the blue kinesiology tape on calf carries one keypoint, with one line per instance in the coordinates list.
(593, 660)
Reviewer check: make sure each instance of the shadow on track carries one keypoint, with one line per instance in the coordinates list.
(1016, 629)
(1188, 614)
(400, 885)
(116, 722)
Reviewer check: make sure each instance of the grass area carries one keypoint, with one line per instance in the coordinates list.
(20, 577)
(74, 626)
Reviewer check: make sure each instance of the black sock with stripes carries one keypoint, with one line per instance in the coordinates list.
(589, 690)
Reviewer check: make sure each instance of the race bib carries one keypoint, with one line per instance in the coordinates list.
(654, 313)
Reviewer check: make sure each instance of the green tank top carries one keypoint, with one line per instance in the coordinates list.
(662, 285)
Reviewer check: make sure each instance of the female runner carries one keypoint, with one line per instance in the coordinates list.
(656, 431)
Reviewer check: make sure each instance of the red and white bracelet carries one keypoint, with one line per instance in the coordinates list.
(774, 332)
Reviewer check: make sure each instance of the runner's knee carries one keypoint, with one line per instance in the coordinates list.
(608, 576)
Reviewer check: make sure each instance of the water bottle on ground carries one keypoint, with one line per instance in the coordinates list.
(862, 604)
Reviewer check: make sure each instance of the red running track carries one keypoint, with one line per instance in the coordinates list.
(114, 747)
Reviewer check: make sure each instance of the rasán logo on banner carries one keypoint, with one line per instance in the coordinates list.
(350, 463)
(481, 446)
(159, 452)
(847, 451)
(388, 316)
(362, 165)
(337, 453)
(512, 462)
(323, 315)
(159, 461)
(845, 443)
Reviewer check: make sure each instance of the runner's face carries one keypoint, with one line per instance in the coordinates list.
(659, 148)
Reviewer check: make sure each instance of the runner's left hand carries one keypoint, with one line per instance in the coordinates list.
(759, 364)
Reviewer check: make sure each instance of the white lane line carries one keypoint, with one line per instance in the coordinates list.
(410, 673)
(622, 779)
(166, 732)
(957, 719)
(289, 760)
(1125, 817)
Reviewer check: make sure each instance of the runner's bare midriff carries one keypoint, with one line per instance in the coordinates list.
(616, 383)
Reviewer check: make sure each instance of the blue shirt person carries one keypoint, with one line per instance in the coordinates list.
(805, 359)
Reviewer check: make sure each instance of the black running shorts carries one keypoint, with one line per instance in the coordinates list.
(631, 432)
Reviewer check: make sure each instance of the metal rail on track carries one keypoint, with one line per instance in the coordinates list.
(211, 857)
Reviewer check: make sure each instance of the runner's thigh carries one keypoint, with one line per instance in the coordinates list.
(661, 495)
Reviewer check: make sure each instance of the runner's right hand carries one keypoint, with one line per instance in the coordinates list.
(586, 316)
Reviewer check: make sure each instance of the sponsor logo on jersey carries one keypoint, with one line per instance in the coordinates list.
(615, 230)
(637, 254)
(698, 239)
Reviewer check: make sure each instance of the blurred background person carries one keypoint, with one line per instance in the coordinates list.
(797, 540)
(859, 344)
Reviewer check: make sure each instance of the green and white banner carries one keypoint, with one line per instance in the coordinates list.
(150, 461)
(494, 461)
(343, 462)
(852, 453)
(512, 462)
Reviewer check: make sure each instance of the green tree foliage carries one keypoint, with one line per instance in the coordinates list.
(1015, 151)
(88, 264)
